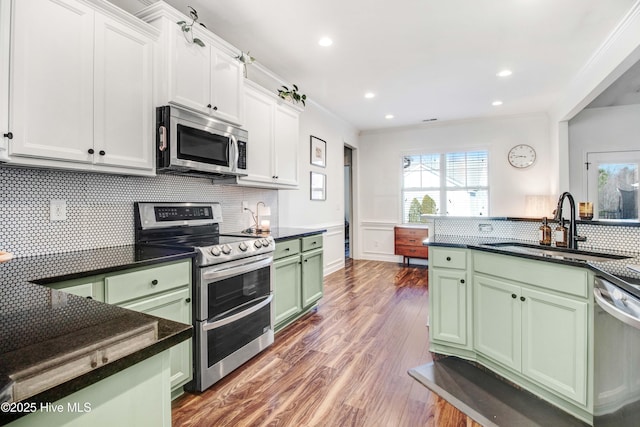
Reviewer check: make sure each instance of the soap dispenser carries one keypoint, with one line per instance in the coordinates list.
(545, 233)
(561, 234)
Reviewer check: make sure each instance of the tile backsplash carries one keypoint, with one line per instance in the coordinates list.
(100, 207)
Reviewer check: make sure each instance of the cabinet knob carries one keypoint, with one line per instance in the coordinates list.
(94, 364)
(89, 297)
(461, 280)
(101, 152)
(105, 359)
(208, 105)
(306, 260)
(8, 135)
(522, 298)
(154, 282)
(215, 108)
(448, 258)
(514, 296)
(90, 151)
(188, 300)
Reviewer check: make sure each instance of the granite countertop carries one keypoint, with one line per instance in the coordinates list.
(614, 270)
(40, 324)
(281, 233)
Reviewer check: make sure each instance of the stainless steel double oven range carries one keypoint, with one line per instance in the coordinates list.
(233, 284)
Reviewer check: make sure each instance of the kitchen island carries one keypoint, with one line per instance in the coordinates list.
(55, 345)
(527, 313)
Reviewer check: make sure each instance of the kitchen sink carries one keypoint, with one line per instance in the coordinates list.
(557, 253)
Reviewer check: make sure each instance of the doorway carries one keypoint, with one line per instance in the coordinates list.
(348, 200)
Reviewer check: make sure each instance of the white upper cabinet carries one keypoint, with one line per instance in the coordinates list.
(80, 86)
(123, 96)
(272, 150)
(207, 79)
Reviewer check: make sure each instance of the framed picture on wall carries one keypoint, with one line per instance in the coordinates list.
(318, 152)
(318, 186)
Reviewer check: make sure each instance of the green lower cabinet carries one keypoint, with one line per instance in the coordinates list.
(312, 278)
(176, 306)
(554, 342)
(287, 290)
(162, 290)
(136, 396)
(497, 320)
(538, 334)
(448, 294)
(298, 278)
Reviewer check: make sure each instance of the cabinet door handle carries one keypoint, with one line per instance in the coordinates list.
(448, 258)
(90, 151)
(461, 280)
(188, 300)
(522, 298)
(89, 297)
(287, 249)
(154, 282)
(8, 135)
(514, 296)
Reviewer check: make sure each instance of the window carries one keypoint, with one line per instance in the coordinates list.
(612, 184)
(445, 184)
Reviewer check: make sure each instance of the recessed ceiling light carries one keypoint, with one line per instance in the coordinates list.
(369, 95)
(496, 103)
(389, 116)
(325, 41)
(504, 73)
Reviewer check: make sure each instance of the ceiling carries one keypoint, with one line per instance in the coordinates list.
(423, 59)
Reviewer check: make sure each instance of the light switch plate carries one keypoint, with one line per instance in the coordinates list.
(58, 210)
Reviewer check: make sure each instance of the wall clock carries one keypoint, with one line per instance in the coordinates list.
(522, 156)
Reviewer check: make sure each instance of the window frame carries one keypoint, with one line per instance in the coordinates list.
(443, 189)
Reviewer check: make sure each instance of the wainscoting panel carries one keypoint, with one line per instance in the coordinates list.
(377, 241)
(333, 243)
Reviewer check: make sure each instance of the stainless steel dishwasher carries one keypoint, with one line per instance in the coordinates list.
(616, 354)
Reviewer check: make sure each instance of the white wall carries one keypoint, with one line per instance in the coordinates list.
(295, 207)
(381, 170)
(597, 130)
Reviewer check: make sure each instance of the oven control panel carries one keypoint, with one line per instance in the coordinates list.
(237, 247)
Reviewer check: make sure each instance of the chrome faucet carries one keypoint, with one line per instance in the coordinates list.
(573, 229)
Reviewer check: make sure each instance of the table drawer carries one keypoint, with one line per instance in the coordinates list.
(411, 233)
(140, 283)
(286, 248)
(311, 242)
(449, 258)
(412, 251)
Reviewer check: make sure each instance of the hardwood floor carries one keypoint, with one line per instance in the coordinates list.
(343, 365)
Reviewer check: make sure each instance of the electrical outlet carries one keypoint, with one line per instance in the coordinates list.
(245, 205)
(58, 210)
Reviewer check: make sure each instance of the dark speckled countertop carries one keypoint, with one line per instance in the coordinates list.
(281, 233)
(600, 268)
(38, 323)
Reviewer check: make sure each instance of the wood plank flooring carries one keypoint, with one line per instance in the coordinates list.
(342, 365)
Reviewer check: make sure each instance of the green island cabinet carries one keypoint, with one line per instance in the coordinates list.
(135, 396)
(162, 290)
(529, 321)
(298, 283)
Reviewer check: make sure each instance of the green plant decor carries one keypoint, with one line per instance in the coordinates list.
(187, 29)
(292, 94)
(245, 59)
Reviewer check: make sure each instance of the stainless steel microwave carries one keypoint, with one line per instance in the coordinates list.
(193, 144)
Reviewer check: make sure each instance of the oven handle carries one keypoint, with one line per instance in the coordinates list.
(234, 271)
(245, 313)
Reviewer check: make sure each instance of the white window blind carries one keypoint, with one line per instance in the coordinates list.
(454, 184)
